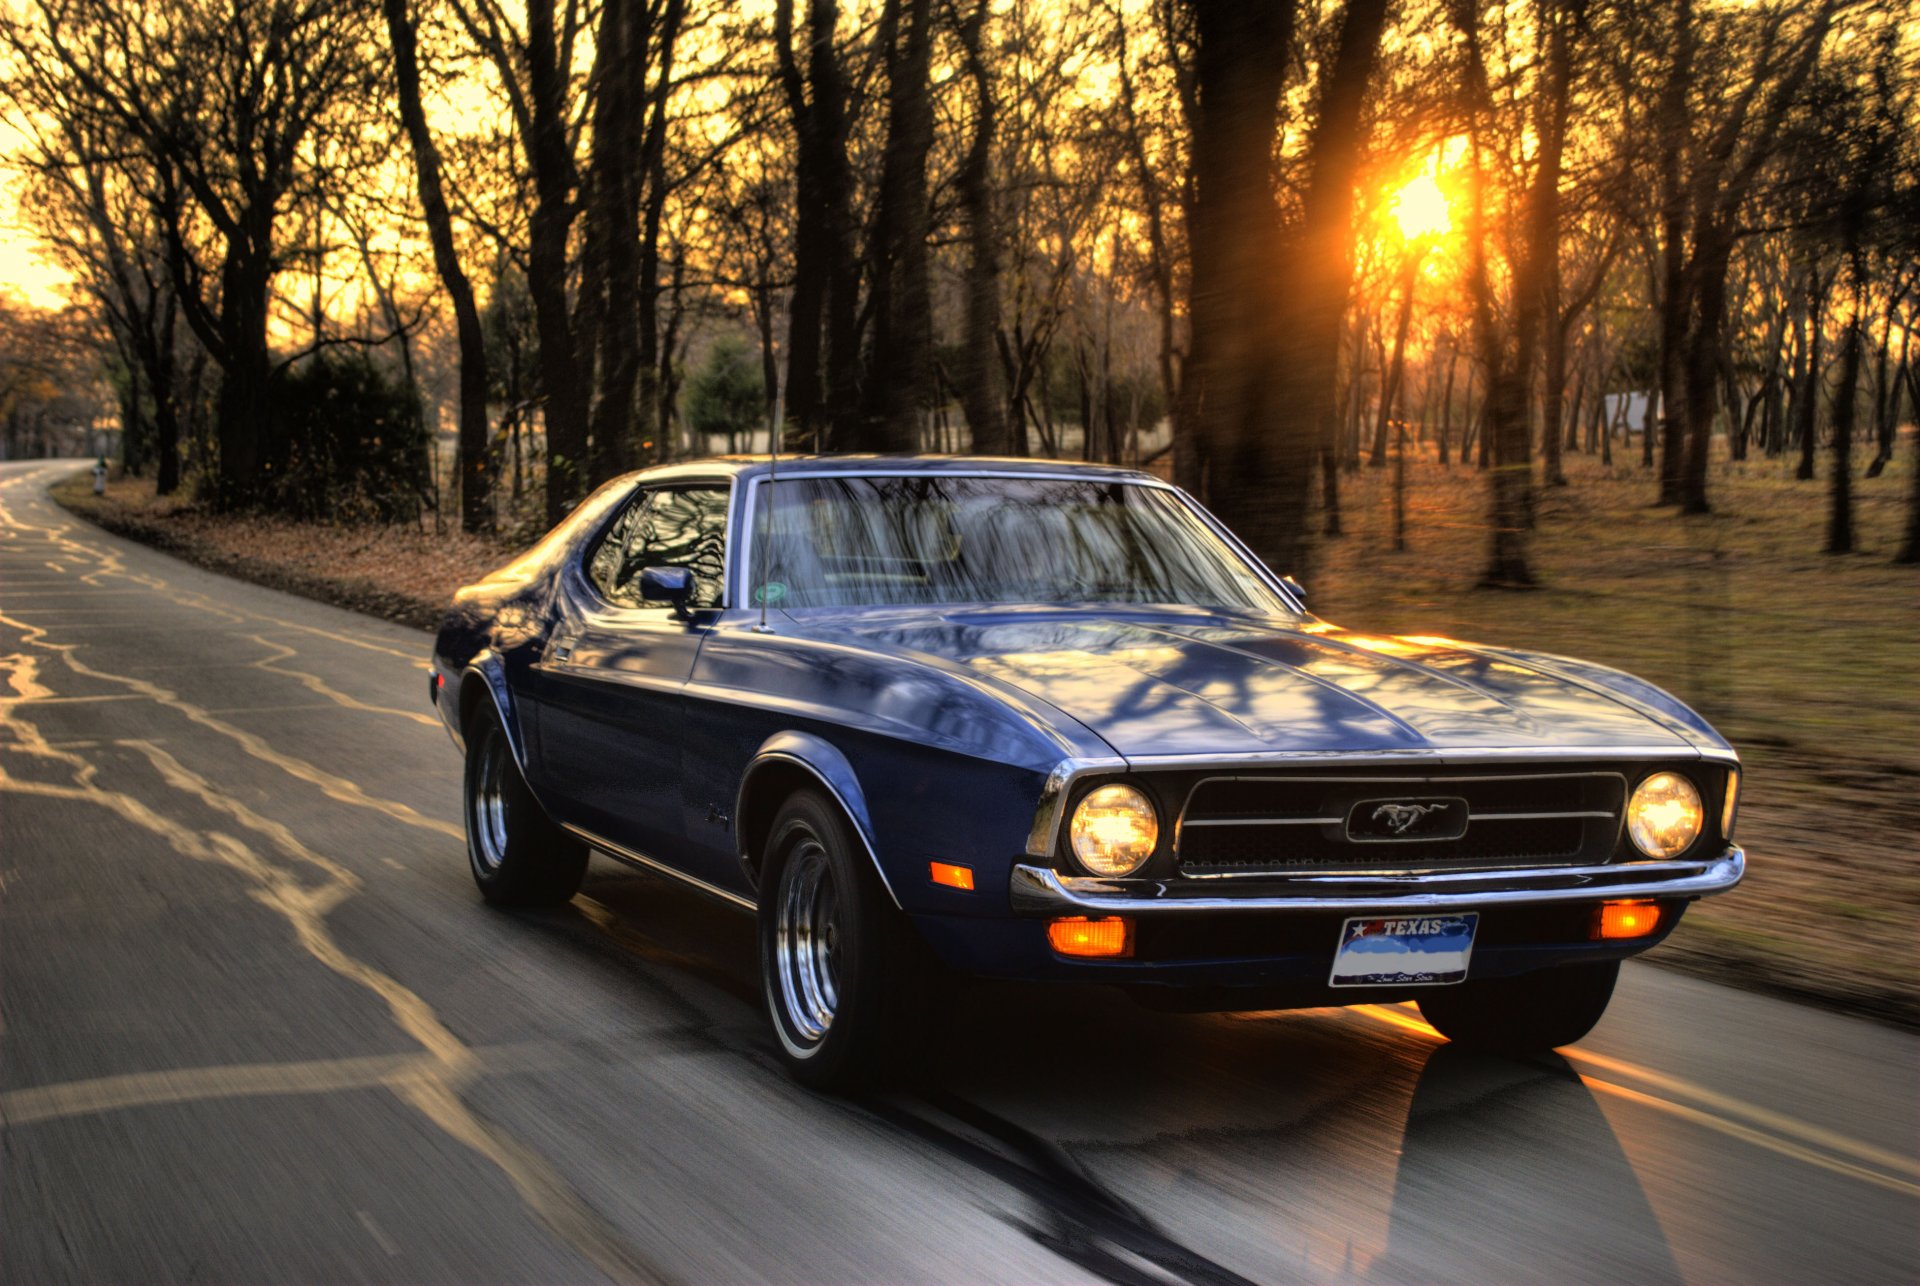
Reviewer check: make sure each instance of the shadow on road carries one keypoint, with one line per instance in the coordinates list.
(1362, 1152)
(1512, 1169)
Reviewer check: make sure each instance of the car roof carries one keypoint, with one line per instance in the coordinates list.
(798, 466)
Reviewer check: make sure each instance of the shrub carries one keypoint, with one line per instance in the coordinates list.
(352, 443)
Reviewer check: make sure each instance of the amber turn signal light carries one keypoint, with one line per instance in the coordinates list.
(1108, 938)
(954, 877)
(1625, 920)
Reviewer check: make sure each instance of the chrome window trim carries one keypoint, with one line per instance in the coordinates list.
(1261, 571)
(729, 481)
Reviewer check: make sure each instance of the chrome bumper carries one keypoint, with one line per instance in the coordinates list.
(1038, 891)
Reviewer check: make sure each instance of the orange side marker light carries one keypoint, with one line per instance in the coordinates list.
(954, 877)
(1615, 920)
(1108, 938)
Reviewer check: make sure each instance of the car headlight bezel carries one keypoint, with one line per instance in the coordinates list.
(1666, 814)
(1114, 830)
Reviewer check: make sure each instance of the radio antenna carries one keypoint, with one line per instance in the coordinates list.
(775, 431)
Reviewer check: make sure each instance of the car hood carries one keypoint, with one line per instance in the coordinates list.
(1194, 683)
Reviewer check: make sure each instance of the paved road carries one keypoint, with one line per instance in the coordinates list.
(258, 1027)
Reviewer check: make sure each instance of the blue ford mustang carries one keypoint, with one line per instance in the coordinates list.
(1033, 720)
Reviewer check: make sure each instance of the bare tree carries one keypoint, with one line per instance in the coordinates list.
(476, 481)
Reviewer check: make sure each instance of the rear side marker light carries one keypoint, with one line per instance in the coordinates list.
(954, 877)
(1617, 920)
(1108, 938)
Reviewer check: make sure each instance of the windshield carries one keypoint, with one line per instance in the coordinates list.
(881, 541)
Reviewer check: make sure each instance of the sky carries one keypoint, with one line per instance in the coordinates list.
(23, 273)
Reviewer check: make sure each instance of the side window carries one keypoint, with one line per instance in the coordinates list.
(666, 527)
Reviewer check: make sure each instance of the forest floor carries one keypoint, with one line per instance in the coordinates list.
(1809, 663)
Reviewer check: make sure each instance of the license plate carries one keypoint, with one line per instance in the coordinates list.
(1405, 951)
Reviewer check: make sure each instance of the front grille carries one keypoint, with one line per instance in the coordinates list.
(1282, 824)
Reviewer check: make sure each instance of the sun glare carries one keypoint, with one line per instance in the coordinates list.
(1420, 208)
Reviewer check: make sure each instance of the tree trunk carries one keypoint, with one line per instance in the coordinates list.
(1159, 257)
(1806, 403)
(822, 361)
(1886, 402)
(1238, 66)
(1553, 400)
(1846, 399)
(1910, 547)
(244, 411)
(1674, 302)
(899, 380)
(1712, 249)
(982, 388)
(550, 155)
(610, 272)
(1396, 370)
(1263, 439)
(476, 481)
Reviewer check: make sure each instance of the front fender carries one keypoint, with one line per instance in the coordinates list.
(814, 756)
(1630, 690)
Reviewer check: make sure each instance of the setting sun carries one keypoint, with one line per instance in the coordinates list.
(1420, 208)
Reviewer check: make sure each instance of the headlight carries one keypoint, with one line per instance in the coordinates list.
(1114, 830)
(1664, 815)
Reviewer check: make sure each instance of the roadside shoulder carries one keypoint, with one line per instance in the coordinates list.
(398, 574)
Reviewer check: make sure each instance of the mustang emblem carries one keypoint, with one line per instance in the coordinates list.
(1400, 818)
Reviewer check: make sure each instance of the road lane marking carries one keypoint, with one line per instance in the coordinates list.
(320, 687)
(333, 786)
(435, 1087)
(112, 564)
(245, 1080)
(70, 701)
(1760, 1138)
(1789, 1147)
(23, 677)
(373, 1230)
(1765, 1118)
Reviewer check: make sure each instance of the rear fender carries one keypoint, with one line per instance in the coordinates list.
(485, 680)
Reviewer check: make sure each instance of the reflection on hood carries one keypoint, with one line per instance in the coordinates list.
(1190, 682)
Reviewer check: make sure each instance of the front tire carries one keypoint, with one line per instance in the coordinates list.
(1526, 1014)
(519, 857)
(837, 960)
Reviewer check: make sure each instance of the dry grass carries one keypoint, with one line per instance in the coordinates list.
(1809, 663)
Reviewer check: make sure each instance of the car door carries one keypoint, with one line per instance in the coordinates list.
(610, 678)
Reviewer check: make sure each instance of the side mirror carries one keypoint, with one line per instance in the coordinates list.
(667, 585)
(1294, 588)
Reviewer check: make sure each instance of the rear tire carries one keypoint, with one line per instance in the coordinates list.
(838, 962)
(1526, 1014)
(519, 857)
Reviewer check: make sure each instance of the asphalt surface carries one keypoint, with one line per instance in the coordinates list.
(258, 1027)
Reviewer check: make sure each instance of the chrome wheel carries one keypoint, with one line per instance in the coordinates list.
(806, 945)
(487, 804)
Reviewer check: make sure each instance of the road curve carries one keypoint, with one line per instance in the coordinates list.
(258, 1027)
